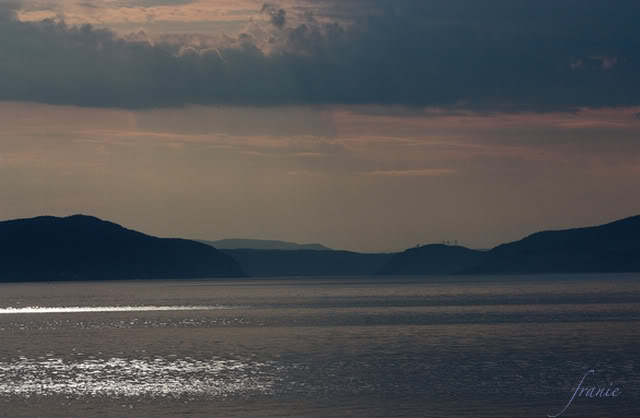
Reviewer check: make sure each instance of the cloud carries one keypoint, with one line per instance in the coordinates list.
(278, 15)
(492, 55)
(8, 9)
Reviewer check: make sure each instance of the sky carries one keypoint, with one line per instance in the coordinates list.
(369, 125)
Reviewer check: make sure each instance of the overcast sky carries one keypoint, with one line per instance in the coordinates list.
(371, 125)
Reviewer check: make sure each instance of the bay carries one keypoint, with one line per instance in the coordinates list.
(468, 346)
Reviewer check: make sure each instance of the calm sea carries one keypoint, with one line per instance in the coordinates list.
(510, 346)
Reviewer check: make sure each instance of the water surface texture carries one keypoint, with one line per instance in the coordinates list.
(435, 347)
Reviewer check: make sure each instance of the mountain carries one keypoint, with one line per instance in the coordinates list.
(613, 247)
(306, 263)
(430, 259)
(262, 244)
(86, 248)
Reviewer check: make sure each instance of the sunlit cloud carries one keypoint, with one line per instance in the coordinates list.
(114, 13)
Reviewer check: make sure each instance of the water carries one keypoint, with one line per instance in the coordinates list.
(433, 347)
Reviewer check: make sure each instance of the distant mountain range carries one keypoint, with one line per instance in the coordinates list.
(262, 244)
(86, 248)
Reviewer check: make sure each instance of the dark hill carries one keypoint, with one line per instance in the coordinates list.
(87, 248)
(291, 263)
(614, 247)
(262, 244)
(430, 259)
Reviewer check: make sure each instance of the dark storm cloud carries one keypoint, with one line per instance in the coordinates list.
(490, 55)
(278, 15)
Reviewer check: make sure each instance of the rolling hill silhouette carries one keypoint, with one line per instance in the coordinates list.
(262, 244)
(430, 259)
(86, 248)
(613, 247)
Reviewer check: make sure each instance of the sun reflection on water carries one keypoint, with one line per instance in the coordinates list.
(80, 309)
(122, 377)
